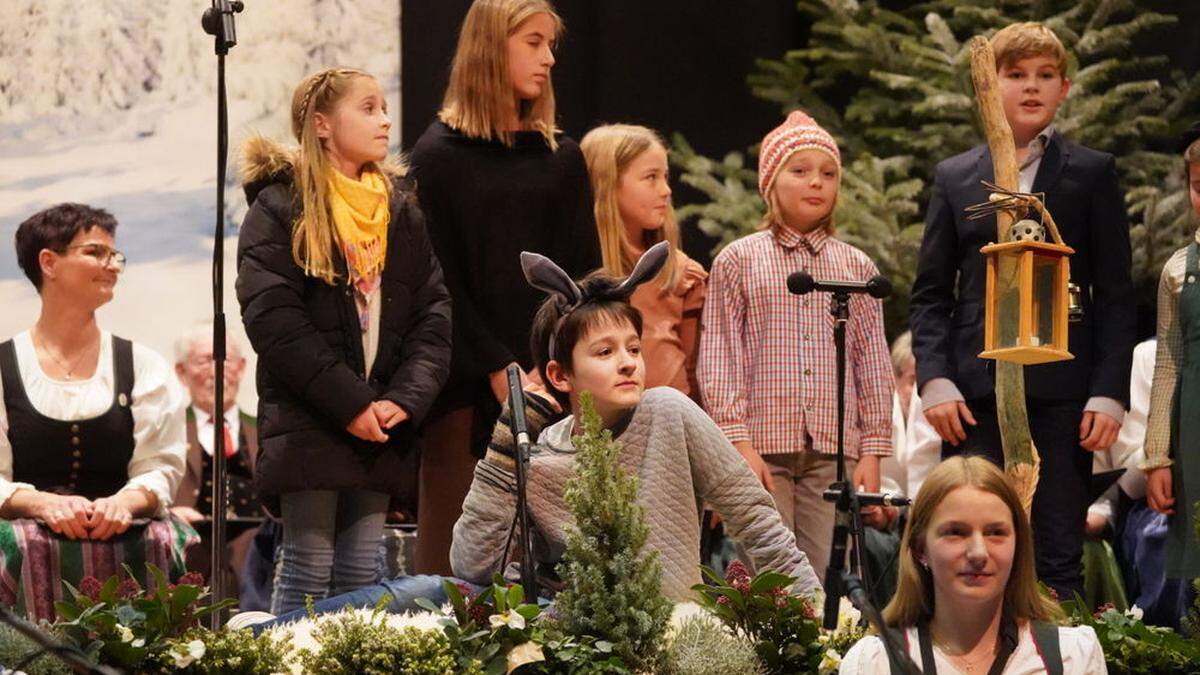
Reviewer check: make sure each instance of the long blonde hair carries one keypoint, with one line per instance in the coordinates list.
(609, 150)
(313, 234)
(914, 598)
(479, 89)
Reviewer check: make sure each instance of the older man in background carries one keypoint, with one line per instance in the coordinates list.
(193, 501)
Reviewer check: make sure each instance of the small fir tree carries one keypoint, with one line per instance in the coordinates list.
(612, 591)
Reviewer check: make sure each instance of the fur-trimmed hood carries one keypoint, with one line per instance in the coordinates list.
(265, 162)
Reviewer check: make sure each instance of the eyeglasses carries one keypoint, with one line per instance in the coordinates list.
(103, 254)
(207, 360)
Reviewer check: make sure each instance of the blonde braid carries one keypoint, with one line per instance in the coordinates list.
(302, 112)
(313, 233)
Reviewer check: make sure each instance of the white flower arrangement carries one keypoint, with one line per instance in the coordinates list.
(185, 655)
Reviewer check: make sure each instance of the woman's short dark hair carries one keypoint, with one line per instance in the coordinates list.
(54, 228)
(605, 307)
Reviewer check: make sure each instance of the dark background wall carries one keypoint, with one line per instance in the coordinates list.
(672, 65)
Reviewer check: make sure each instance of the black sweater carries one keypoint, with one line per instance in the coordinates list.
(485, 203)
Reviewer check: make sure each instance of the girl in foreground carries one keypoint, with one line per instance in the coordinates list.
(968, 599)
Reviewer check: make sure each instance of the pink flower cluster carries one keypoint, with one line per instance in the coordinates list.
(738, 577)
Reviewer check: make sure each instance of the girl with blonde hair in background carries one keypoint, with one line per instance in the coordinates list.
(630, 180)
(496, 177)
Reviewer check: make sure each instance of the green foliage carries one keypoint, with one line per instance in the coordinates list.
(735, 208)
(1159, 207)
(567, 654)
(612, 591)
(121, 624)
(229, 652)
(878, 204)
(890, 79)
(357, 644)
(1191, 621)
(783, 627)
(497, 631)
(15, 648)
(484, 628)
(1130, 646)
(701, 646)
(850, 629)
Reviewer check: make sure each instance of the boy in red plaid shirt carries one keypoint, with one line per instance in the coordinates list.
(767, 371)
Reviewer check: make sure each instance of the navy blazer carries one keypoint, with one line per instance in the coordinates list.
(946, 316)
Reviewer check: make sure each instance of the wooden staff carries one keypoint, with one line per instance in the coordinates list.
(1021, 459)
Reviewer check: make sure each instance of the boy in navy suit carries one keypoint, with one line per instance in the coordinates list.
(1075, 406)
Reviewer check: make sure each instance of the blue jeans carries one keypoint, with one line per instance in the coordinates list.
(328, 536)
(403, 590)
(1142, 544)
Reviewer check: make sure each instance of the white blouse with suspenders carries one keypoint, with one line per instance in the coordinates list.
(1038, 648)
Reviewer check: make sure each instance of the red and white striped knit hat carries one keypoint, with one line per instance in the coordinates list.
(798, 132)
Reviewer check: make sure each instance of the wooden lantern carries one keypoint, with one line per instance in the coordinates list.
(1025, 320)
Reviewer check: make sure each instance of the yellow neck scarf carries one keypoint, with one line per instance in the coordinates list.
(360, 214)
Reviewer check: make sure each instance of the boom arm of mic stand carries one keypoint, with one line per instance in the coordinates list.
(858, 597)
(66, 653)
(520, 430)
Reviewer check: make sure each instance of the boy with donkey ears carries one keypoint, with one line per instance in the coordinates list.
(1075, 407)
(586, 337)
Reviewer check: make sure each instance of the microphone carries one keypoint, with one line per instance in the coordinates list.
(871, 498)
(516, 398)
(802, 283)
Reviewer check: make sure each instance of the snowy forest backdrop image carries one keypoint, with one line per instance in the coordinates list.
(113, 103)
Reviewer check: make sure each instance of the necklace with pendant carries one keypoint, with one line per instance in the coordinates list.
(68, 368)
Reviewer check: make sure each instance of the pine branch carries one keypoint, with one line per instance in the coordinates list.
(612, 591)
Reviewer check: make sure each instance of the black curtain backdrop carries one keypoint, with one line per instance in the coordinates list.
(672, 65)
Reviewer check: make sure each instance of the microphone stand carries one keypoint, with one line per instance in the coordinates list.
(843, 493)
(897, 656)
(516, 403)
(68, 654)
(848, 501)
(218, 22)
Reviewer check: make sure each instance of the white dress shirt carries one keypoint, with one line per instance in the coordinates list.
(204, 429)
(916, 449)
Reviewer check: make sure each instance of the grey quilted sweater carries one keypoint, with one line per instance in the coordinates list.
(681, 459)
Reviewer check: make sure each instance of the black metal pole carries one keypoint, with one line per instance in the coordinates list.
(860, 598)
(848, 501)
(516, 403)
(67, 653)
(847, 519)
(218, 22)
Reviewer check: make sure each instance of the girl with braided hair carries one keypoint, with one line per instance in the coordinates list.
(343, 300)
(496, 178)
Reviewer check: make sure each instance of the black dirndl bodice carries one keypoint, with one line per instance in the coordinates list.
(89, 458)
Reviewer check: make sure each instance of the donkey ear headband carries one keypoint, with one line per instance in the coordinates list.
(542, 273)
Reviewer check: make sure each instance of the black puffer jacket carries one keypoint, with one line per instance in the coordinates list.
(309, 344)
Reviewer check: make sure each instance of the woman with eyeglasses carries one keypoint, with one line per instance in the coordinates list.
(91, 434)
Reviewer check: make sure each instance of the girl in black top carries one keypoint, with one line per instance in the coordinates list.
(495, 177)
(343, 300)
